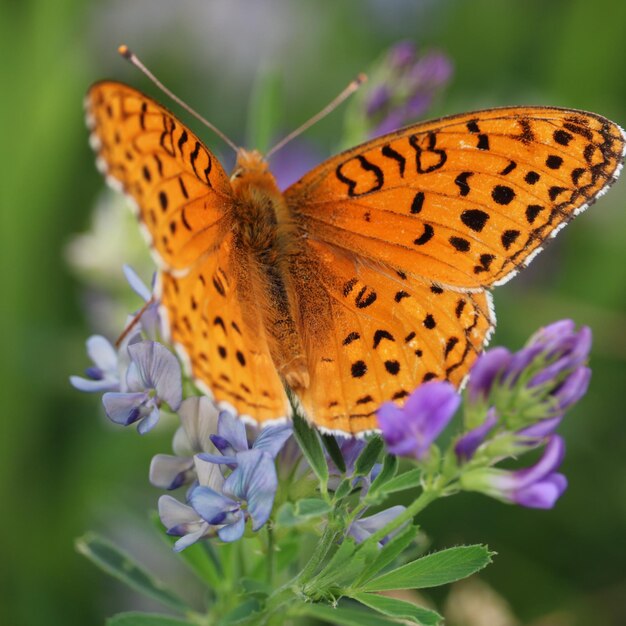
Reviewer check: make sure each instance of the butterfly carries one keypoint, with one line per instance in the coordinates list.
(367, 277)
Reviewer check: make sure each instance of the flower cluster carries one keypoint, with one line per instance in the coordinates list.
(514, 402)
(140, 377)
(403, 87)
(238, 484)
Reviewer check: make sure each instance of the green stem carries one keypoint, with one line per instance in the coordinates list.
(270, 553)
(319, 554)
(426, 497)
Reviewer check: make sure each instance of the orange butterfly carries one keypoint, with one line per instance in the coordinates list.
(367, 277)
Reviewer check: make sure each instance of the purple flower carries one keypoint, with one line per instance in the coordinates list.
(231, 439)
(181, 520)
(247, 493)
(403, 86)
(198, 417)
(410, 430)
(532, 388)
(153, 377)
(363, 527)
(103, 375)
(488, 369)
(402, 54)
(467, 445)
(539, 486)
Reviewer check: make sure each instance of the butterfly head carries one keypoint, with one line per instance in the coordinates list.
(249, 162)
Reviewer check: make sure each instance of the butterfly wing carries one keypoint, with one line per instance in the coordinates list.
(183, 201)
(465, 201)
(408, 230)
(374, 333)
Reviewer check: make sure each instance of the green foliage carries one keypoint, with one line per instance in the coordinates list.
(119, 565)
(439, 568)
(144, 619)
(311, 446)
(399, 609)
(368, 457)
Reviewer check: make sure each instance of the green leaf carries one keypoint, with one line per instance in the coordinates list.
(311, 446)
(119, 565)
(368, 456)
(303, 511)
(399, 609)
(342, 570)
(388, 553)
(144, 619)
(434, 569)
(344, 488)
(264, 110)
(334, 451)
(311, 507)
(199, 557)
(344, 615)
(241, 613)
(407, 480)
(388, 471)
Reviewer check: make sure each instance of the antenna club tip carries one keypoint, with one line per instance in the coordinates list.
(125, 51)
(361, 78)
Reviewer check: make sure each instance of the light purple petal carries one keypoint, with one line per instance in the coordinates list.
(542, 494)
(410, 431)
(232, 532)
(191, 538)
(543, 428)
(393, 425)
(103, 354)
(174, 513)
(124, 408)
(431, 71)
(210, 505)
(86, 384)
(549, 462)
(198, 417)
(431, 406)
(486, 369)
(377, 99)
(209, 474)
(255, 481)
(232, 430)
(170, 472)
(364, 527)
(573, 388)
(222, 445)
(136, 284)
(402, 54)
(149, 421)
(272, 438)
(159, 369)
(216, 458)
(467, 445)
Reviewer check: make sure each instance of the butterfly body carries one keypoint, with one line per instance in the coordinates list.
(367, 277)
(268, 240)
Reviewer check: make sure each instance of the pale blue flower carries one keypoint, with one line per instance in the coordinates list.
(153, 377)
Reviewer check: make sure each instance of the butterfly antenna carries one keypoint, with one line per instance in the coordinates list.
(133, 322)
(130, 56)
(348, 91)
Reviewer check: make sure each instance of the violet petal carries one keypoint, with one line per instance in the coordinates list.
(124, 408)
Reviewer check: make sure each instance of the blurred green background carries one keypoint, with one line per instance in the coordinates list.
(64, 470)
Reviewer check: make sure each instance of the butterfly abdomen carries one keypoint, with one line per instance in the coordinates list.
(266, 237)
